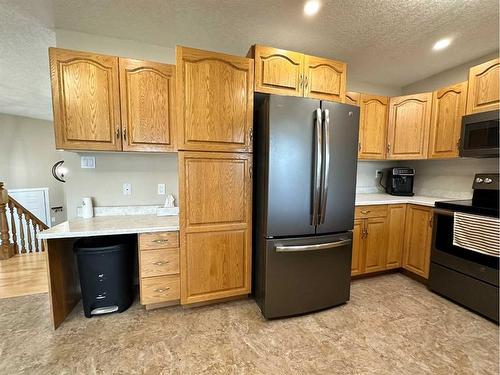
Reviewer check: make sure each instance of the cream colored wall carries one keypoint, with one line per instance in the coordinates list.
(27, 153)
(105, 183)
(448, 77)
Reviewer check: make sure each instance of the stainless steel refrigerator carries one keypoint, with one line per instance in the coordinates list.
(305, 159)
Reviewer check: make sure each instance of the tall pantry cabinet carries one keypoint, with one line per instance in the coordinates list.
(215, 117)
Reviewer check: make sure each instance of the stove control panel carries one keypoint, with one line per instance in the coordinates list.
(486, 181)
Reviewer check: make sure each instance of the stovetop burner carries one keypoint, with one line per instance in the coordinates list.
(484, 200)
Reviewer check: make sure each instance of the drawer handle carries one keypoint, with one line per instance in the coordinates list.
(160, 263)
(161, 290)
(365, 212)
(160, 241)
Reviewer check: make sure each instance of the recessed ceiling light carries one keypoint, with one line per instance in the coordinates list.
(312, 7)
(441, 44)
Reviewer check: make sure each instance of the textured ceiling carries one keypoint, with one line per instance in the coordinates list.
(384, 41)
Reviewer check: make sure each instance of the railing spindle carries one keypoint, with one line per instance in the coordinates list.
(35, 225)
(5, 246)
(21, 231)
(13, 227)
(28, 230)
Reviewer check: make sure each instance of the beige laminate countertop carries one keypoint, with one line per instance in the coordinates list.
(111, 225)
(369, 199)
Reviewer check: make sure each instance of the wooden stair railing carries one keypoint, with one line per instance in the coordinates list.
(27, 242)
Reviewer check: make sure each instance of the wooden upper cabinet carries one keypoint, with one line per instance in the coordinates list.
(483, 92)
(215, 101)
(86, 100)
(352, 97)
(324, 79)
(278, 71)
(147, 105)
(372, 126)
(216, 225)
(408, 129)
(417, 242)
(448, 107)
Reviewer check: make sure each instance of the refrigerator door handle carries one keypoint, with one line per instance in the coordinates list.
(321, 246)
(325, 171)
(318, 135)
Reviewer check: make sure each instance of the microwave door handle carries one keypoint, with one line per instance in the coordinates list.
(317, 156)
(325, 173)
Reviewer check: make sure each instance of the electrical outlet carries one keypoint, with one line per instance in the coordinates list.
(161, 189)
(378, 173)
(127, 189)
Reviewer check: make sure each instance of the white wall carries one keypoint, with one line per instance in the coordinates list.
(27, 154)
(451, 76)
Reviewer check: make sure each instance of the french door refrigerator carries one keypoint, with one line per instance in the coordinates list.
(305, 159)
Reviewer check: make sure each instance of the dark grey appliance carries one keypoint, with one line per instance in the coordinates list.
(480, 135)
(399, 181)
(305, 154)
(467, 276)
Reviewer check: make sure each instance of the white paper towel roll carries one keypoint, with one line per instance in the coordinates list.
(87, 208)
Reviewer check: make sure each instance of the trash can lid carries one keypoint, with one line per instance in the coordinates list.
(102, 243)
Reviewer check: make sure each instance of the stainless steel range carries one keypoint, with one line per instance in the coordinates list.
(466, 248)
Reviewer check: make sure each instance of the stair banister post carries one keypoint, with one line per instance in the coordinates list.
(6, 250)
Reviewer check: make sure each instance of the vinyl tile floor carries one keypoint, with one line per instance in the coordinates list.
(391, 325)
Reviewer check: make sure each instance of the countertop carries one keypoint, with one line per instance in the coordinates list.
(369, 199)
(110, 225)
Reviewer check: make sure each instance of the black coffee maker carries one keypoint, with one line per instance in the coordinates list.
(399, 181)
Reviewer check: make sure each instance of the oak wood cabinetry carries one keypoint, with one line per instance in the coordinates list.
(408, 129)
(216, 225)
(147, 105)
(352, 97)
(107, 103)
(85, 100)
(448, 107)
(357, 247)
(372, 126)
(159, 279)
(395, 233)
(215, 101)
(417, 242)
(284, 72)
(483, 93)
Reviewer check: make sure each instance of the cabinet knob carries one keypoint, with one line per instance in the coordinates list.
(160, 241)
(161, 290)
(364, 212)
(160, 263)
(124, 134)
(118, 133)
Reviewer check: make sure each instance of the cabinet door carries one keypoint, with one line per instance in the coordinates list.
(408, 130)
(352, 97)
(215, 218)
(395, 235)
(448, 107)
(85, 100)
(215, 94)
(357, 248)
(324, 79)
(417, 243)
(278, 71)
(147, 105)
(375, 244)
(483, 92)
(372, 126)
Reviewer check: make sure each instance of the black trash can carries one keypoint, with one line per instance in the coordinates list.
(106, 268)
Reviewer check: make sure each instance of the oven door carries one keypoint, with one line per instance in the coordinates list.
(480, 266)
(480, 134)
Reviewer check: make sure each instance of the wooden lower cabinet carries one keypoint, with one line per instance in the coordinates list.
(395, 235)
(391, 236)
(215, 222)
(159, 271)
(418, 236)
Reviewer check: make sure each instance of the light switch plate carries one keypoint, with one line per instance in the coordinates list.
(127, 189)
(161, 189)
(87, 162)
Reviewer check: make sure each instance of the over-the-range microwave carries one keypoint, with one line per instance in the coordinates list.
(480, 134)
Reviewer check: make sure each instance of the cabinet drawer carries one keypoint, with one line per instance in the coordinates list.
(160, 240)
(370, 211)
(160, 289)
(159, 262)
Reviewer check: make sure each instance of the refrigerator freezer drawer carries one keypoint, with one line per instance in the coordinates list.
(305, 274)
